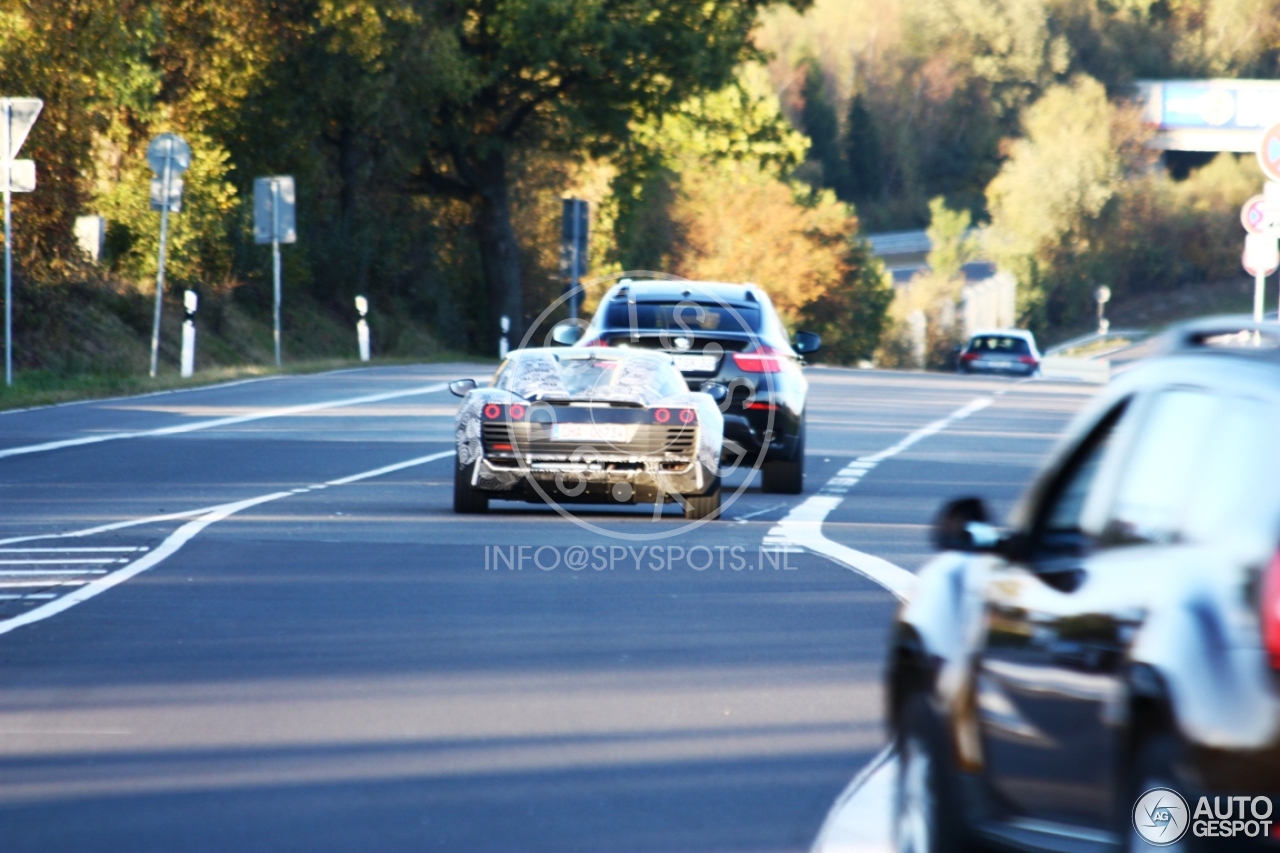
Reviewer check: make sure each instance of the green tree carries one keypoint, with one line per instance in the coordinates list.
(851, 316)
(818, 119)
(863, 152)
(567, 75)
(952, 244)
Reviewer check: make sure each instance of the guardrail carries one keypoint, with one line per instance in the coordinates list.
(1096, 370)
(1095, 337)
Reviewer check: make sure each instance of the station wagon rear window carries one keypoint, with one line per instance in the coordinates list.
(682, 317)
(1001, 344)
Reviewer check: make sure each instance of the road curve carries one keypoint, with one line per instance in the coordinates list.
(244, 617)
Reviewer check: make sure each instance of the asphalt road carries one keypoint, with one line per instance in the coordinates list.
(274, 634)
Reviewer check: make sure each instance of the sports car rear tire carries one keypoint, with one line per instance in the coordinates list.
(467, 500)
(703, 506)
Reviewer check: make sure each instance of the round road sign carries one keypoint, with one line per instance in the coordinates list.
(170, 147)
(1253, 216)
(1269, 153)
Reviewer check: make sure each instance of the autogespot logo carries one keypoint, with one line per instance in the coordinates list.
(1160, 817)
(681, 340)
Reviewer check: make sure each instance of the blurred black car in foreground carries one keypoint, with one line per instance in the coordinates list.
(1121, 638)
(720, 334)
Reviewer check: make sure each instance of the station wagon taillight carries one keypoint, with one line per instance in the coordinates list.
(1271, 611)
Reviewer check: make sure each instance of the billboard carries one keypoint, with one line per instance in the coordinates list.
(1210, 115)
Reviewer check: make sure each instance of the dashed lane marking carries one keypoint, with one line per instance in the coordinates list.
(802, 527)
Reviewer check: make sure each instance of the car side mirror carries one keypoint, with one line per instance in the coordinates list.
(462, 387)
(962, 525)
(807, 343)
(567, 334)
(716, 391)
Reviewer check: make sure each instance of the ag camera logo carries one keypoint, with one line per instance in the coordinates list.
(1160, 817)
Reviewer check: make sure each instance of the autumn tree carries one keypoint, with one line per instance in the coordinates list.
(566, 74)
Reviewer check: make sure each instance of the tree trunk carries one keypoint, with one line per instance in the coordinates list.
(499, 251)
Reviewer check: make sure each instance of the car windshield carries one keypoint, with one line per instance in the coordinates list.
(682, 316)
(1002, 344)
(607, 377)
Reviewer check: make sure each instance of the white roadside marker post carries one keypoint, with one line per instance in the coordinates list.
(503, 343)
(362, 327)
(189, 301)
(16, 117)
(169, 156)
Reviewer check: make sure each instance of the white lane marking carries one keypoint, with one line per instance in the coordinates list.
(39, 584)
(8, 573)
(742, 519)
(70, 550)
(96, 561)
(868, 827)
(180, 429)
(175, 541)
(803, 525)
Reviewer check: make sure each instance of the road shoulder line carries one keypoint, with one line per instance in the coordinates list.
(180, 429)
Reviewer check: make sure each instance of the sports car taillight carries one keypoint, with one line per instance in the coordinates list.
(762, 359)
(1271, 611)
(596, 342)
(683, 416)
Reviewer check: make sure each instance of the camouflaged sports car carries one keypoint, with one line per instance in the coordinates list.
(570, 425)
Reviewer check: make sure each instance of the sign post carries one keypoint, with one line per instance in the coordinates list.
(274, 222)
(16, 117)
(1261, 259)
(169, 156)
(574, 233)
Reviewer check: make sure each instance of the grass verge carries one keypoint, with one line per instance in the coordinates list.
(34, 388)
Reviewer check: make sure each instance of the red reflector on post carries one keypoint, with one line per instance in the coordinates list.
(1271, 611)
